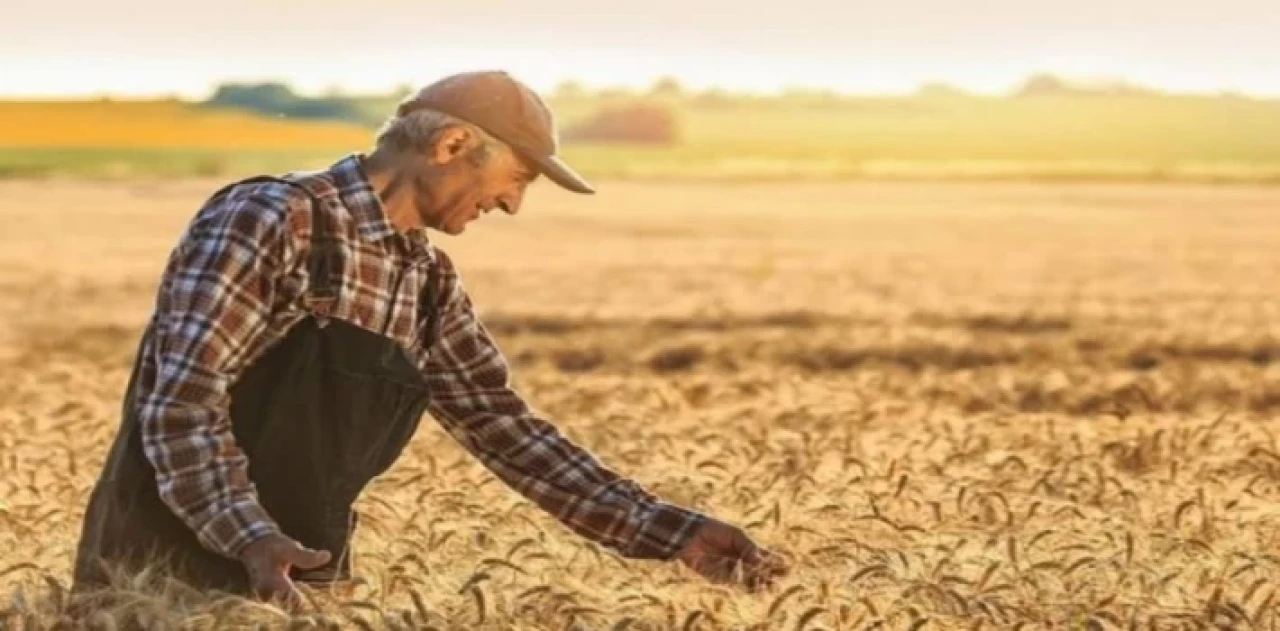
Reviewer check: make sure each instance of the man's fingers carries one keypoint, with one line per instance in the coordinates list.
(760, 567)
(273, 587)
(770, 561)
(307, 558)
(278, 588)
(292, 599)
(725, 554)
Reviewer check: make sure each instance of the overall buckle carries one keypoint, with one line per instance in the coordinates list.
(320, 303)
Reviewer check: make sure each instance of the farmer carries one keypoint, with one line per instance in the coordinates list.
(302, 327)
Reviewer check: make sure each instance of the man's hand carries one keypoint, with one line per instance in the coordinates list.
(268, 561)
(723, 553)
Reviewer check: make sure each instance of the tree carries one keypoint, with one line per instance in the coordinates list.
(666, 87)
(1043, 84)
(569, 90)
(642, 123)
(262, 97)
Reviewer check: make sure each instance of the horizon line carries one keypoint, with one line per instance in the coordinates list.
(1074, 81)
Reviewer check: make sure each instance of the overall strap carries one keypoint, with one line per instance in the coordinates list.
(321, 294)
(433, 315)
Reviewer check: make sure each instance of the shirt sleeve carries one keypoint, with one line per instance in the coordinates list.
(213, 307)
(471, 395)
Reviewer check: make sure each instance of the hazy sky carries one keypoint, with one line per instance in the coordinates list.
(144, 47)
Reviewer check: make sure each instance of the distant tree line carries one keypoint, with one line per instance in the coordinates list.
(632, 122)
(278, 99)
(669, 88)
(648, 115)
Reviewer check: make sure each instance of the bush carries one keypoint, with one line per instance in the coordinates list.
(272, 98)
(645, 123)
(277, 99)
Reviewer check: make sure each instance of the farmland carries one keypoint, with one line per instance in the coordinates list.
(1075, 137)
(156, 138)
(950, 405)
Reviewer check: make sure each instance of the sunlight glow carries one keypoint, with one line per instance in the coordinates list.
(148, 47)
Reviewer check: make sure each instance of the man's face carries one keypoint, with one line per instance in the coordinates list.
(470, 181)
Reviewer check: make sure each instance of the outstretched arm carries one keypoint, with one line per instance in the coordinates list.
(472, 396)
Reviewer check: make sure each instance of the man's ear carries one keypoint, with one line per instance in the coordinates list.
(450, 143)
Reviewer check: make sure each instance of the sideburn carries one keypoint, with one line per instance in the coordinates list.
(478, 156)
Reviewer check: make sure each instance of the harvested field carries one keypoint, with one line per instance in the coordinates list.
(952, 406)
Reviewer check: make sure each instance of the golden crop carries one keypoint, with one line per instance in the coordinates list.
(951, 406)
(163, 124)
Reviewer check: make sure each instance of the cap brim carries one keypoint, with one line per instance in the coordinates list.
(558, 171)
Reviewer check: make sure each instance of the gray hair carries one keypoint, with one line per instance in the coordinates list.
(414, 131)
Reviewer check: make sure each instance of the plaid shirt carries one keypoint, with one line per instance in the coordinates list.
(233, 287)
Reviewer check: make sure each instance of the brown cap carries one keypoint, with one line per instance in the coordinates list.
(507, 110)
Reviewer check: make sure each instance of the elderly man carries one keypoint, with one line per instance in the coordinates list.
(302, 327)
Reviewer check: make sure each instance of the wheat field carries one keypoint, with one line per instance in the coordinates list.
(950, 406)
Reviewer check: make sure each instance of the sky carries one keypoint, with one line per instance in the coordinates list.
(60, 48)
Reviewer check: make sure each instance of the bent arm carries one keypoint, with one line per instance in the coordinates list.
(213, 308)
(472, 396)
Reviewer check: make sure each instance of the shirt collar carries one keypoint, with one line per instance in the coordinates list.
(358, 196)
